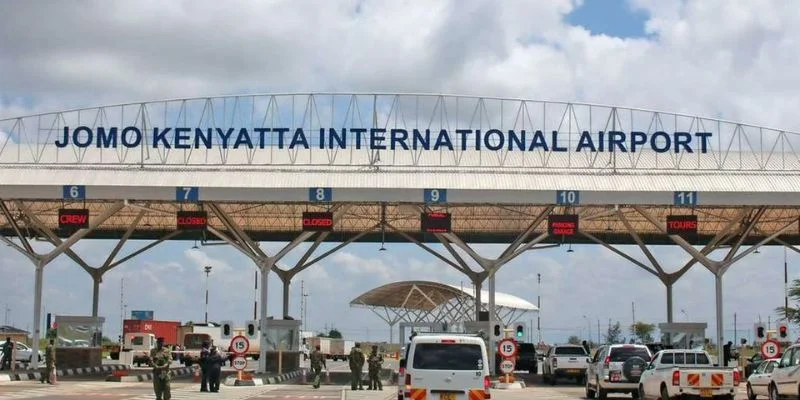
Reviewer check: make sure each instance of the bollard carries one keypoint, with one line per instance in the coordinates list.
(327, 377)
(196, 375)
(303, 376)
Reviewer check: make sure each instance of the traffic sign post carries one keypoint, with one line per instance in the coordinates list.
(240, 363)
(770, 349)
(240, 345)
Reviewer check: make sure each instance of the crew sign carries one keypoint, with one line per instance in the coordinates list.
(382, 139)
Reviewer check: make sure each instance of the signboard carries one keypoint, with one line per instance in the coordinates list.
(562, 225)
(318, 221)
(142, 315)
(770, 349)
(435, 222)
(72, 218)
(240, 344)
(507, 366)
(240, 363)
(192, 220)
(507, 348)
(682, 224)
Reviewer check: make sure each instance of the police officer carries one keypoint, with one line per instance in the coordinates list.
(50, 362)
(215, 363)
(375, 362)
(7, 354)
(317, 362)
(356, 359)
(160, 360)
(204, 353)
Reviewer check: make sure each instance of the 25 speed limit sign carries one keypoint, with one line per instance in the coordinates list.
(507, 348)
(770, 349)
(240, 344)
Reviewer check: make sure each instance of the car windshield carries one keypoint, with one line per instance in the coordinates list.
(570, 351)
(443, 356)
(621, 354)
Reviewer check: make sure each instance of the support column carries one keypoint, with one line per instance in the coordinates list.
(669, 301)
(265, 267)
(37, 312)
(492, 320)
(287, 280)
(720, 330)
(96, 279)
(478, 287)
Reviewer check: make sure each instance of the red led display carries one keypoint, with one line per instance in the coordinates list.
(317, 221)
(73, 218)
(562, 225)
(435, 222)
(682, 224)
(192, 220)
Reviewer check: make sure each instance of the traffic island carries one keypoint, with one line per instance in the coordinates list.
(128, 377)
(31, 375)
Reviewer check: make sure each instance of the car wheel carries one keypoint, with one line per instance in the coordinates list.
(589, 391)
(664, 393)
(773, 392)
(750, 394)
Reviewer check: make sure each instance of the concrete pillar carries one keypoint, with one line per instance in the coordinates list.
(477, 300)
(265, 267)
(96, 279)
(37, 312)
(287, 280)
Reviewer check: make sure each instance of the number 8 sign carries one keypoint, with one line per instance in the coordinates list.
(770, 349)
(507, 348)
(240, 344)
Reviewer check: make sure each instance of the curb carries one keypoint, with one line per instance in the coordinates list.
(149, 375)
(30, 375)
(281, 378)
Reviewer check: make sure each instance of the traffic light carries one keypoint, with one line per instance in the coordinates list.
(497, 330)
(227, 329)
(520, 331)
(251, 329)
(760, 332)
(783, 330)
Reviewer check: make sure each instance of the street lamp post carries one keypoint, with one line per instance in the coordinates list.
(207, 270)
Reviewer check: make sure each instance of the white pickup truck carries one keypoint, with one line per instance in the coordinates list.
(680, 373)
(565, 361)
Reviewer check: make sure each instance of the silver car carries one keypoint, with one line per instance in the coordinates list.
(758, 381)
(616, 368)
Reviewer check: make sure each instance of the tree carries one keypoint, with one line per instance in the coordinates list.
(335, 334)
(643, 331)
(792, 313)
(574, 340)
(614, 334)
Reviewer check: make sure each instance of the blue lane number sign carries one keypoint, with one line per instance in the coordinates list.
(74, 192)
(684, 198)
(187, 193)
(568, 197)
(435, 195)
(320, 194)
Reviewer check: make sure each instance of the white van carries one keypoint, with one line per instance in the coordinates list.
(446, 367)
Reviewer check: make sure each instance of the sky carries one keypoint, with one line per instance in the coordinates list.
(713, 58)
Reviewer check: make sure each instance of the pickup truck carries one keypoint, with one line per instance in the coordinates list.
(565, 361)
(681, 373)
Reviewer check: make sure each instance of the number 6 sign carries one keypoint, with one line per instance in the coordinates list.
(770, 349)
(240, 344)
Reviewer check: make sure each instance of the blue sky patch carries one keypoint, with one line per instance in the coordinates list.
(610, 17)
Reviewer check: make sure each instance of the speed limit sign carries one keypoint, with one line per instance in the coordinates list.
(507, 348)
(240, 363)
(240, 344)
(770, 349)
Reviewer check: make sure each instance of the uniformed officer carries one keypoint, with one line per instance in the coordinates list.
(204, 353)
(375, 362)
(160, 360)
(356, 359)
(8, 351)
(50, 362)
(215, 363)
(317, 362)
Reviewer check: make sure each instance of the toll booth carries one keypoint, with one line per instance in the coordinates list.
(79, 341)
(283, 345)
(683, 335)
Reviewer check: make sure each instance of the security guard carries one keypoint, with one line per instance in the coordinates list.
(50, 362)
(204, 353)
(317, 362)
(356, 359)
(160, 359)
(375, 362)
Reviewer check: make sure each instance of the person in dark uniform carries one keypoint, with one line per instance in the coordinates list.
(726, 353)
(204, 353)
(7, 354)
(215, 362)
